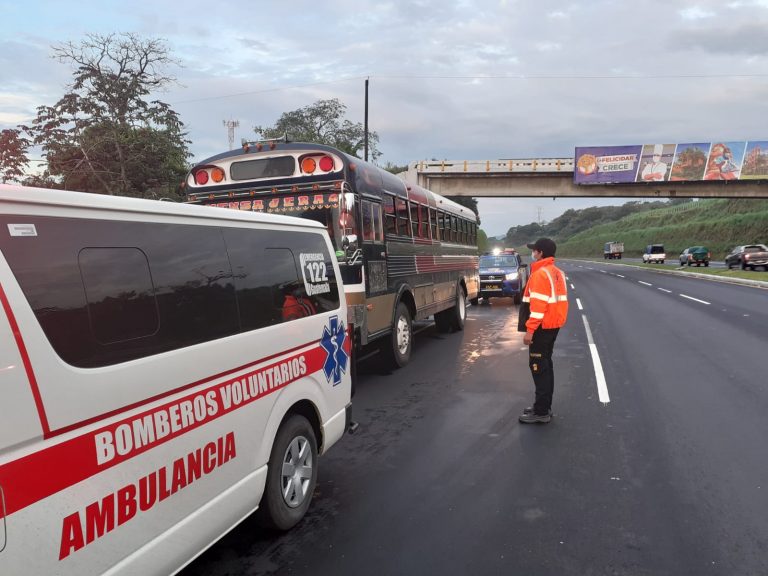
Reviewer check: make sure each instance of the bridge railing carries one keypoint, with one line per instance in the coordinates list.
(526, 165)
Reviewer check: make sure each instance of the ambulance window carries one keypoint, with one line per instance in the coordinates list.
(268, 279)
(119, 292)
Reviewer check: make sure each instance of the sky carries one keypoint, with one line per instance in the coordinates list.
(464, 80)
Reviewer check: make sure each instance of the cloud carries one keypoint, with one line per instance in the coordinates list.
(696, 13)
(748, 39)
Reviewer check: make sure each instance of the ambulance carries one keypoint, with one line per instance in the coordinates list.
(165, 371)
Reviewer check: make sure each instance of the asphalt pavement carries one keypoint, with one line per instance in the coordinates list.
(666, 475)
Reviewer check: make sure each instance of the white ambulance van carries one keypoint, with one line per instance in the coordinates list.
(165, 370)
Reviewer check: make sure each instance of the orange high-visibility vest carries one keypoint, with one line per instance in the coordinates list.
(294, 308)
(547, 294)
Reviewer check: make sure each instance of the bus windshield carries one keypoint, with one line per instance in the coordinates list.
(328, 217)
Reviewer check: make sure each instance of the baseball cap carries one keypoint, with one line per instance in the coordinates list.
(544, 245)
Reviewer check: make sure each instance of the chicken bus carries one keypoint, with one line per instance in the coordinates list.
(405, 253)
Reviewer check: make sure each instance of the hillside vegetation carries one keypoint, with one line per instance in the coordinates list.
(718, 224)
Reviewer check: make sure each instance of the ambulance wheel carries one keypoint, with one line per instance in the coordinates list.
(291, 474)
(397, 347)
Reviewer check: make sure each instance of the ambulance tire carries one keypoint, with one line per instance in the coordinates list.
(396, 348)
(293, 439)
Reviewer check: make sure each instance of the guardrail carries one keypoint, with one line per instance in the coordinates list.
(527, 165)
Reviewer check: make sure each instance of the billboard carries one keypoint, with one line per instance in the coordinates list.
(686, 162)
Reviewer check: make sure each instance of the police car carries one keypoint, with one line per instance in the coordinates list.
(502, 274)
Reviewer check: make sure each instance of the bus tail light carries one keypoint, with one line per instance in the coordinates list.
(308, 165)
(217, 174)
(326, 163)
(201, 177)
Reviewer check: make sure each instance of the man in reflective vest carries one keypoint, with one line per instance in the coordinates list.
(547, 295)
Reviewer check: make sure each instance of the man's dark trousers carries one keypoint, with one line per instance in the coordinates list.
(540, 363)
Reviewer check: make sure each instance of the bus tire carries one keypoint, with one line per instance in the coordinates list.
(291, 474)
(454, 317)
(398, 346)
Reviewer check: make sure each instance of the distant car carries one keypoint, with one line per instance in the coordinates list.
(695, 255)
(749, 256)
(654, 253)
(503, 275)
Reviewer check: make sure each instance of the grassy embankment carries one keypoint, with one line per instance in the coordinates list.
(718, 224)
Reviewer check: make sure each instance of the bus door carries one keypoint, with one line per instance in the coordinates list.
(374, 249)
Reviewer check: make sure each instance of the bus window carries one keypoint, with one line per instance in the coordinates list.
(390, 220)
(401, 208)
(378, 233)
(423, 222)
(415, 220)
(433, 223)
(372, 222)
(365, 208)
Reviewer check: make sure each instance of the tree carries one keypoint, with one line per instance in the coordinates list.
(103, 135)
(482, 241)
(13, 155)
(322, 123)
(394, 168)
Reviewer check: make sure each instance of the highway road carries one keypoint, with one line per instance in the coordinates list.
(654, 464)
(673, 261)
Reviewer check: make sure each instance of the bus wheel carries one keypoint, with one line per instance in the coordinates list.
(453, 318)
(397, 348)
(291, 474)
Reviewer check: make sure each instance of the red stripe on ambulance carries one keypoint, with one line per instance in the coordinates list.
(30, 479)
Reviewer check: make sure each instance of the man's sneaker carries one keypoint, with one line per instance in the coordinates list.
(529, 410)
(535, 418)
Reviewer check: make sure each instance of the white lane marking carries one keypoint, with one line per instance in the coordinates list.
(665, 290)
(602, 387)
(619, 275)
(646, 283)
(578, 303)
(572, 288)
(695, 299)
(603, 271)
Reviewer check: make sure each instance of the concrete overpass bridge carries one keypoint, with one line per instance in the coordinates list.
(553, 177)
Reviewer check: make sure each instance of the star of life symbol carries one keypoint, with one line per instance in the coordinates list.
(333, 344)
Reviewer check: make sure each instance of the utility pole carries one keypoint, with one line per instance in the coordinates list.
(538, 208)
(231, 125)
(366, 120)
